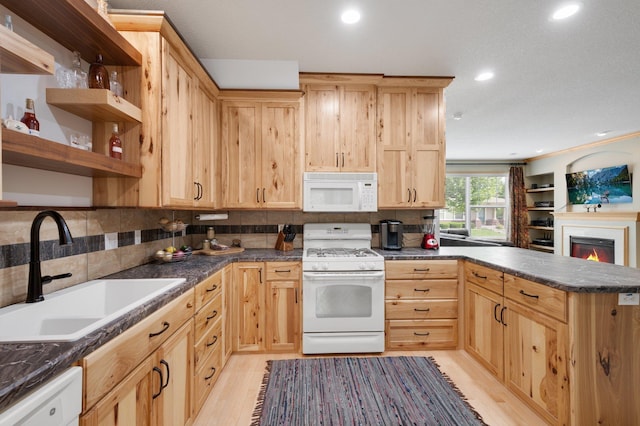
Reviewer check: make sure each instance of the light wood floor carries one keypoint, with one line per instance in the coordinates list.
(233, 398)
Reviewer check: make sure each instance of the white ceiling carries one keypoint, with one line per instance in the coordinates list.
(557, 83)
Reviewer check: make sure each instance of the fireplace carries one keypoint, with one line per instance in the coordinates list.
(596, 249)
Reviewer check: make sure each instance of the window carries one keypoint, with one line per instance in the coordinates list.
(478, 204)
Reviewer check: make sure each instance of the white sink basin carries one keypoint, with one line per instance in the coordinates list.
(76, 311)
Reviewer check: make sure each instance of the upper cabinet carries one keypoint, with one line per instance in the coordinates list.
(260, 150)
(339, 122)
(179, 136)
(411, 142)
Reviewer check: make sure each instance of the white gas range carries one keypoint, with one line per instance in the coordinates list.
(343, 290)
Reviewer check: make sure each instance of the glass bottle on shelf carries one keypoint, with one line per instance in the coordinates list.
(79, 77)
(98, 76)
(115, 144)
(116, 86)
(29, 118)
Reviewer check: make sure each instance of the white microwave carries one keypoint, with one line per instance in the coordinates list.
(340, 192)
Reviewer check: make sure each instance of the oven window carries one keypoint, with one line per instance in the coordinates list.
(343, 301)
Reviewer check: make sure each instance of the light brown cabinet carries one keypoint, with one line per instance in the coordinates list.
(411, 143)
(421, 304)
(267, 314)
(339, 123)
(260, 142)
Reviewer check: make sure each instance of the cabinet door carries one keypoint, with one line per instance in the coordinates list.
(129, 403)
(172, 384)
(483, 328)
(177, 132)
(322, 128)
(283, 316)
(280, 180)
(394, 148)
(357, 128)
(241, 130)
(205, 151)
(536, 361)
(250, 315)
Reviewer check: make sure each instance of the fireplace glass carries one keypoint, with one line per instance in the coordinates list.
(596, 249)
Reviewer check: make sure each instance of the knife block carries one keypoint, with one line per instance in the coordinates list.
(283, 245)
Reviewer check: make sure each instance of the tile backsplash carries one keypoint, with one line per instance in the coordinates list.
(96, 232)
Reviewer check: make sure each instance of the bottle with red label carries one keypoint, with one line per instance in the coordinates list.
(29, 118)
(115, 144)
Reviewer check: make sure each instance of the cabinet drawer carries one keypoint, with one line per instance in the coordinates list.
(207, 316)
(108, 365)
(207, 289)
(420, 269)
(422, 334)
(484, 277)
(210, 340)
(421, 289)
(547, 300)
(286, 271)
(421, 309)
(207, 375)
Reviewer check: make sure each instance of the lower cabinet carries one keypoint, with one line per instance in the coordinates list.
(267, 306)
(421, 304)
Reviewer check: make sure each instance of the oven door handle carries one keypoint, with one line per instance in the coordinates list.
(363, 274)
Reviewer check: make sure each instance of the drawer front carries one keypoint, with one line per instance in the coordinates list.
(208, 315)
(207, 375)
(420, 269)
(211, 339)
(208, 289)
(422, 334)
(547, 300)
(421, 289)
(484, 277)
(286, 271)
(421, 309)
(108, 365)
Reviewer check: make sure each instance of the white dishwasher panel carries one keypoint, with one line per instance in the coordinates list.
(56, 403)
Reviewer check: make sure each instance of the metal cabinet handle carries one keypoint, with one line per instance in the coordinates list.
(422, 310)
(165, 327)
(479, 276)
(502, 316)
(296, 293)
(215, 339)
(415, 195)
(257, 195)
(260, 274)
(213, 315)
(155, 395)
(213, 372)
(533, 296)
(343, 159)
(166, 365)
(283, 270)
(336, 159)
(214, 288)
(422, 289)
(421, 269)
(495, 312)
(421, 334)
(409, 192)
(264, 200)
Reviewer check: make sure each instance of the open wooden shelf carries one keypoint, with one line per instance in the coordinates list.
(542, 209)
(19, 56)
(94, 104)
(541, 248)
(542, 228)
(31, 151)
(550, 188)
(77, 26)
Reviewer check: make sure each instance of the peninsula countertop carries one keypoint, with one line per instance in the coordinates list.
(26, 366)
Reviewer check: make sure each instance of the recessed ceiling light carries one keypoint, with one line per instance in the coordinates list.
(457, 116)
(565, 11)
(350, 16)
(484, 76)
(539, 150)
(603, 133)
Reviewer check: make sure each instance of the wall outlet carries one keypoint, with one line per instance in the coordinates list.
(111, 241)
(629, 299)
(137, 236)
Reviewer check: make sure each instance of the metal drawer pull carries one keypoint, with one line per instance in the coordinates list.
(213, 315)
(495, 312)
(421, 334)
(283, 270)
(479, 276)
(409, 192)
(157, 370)
(533, 296)
(502, 316)
(166, 365)
(215, 339)
(422, 310)
(165, 327)
(421, 289)
(421, 269)
(213, 372)
(214, 288)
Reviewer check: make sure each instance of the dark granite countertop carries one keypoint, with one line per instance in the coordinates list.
(25, 366)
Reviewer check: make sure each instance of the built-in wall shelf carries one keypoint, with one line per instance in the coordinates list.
(547, 189)
(77, 26)
(541, 228)
(19, 56)
(541, 248)
(541, 209)
(94, 104)
(25, 150)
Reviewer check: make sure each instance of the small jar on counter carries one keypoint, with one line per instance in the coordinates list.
(206, 245)
(211, 234)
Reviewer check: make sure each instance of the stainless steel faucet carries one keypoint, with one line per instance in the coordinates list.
(34, 290)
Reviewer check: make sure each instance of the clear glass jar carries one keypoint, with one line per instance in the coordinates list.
(116, 86)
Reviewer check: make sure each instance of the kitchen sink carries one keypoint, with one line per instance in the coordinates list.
(74, 312)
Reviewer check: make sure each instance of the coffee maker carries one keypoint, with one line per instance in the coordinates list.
(390, 234)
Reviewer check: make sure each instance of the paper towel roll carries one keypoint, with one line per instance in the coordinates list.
(213, 216)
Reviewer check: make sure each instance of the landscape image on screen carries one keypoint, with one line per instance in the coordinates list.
(600, 186)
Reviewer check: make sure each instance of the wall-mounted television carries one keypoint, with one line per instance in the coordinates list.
(600, 186)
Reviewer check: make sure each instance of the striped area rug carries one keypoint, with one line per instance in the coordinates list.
(360, 391)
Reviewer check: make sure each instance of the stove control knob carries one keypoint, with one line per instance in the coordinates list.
(325, 266)
(314, 266)
(362, 265)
